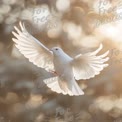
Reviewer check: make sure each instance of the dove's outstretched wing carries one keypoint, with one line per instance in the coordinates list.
(88, 65)
(32, 49)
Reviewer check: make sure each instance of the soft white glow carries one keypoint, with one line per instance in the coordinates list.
(4, 9)
(74, 31)
(63, 5)
(89, 41)
(111, 31)
(119, 11)
(55, 30)
(9, 1)
(26, 14)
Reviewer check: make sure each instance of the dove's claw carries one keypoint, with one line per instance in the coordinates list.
(54, 72)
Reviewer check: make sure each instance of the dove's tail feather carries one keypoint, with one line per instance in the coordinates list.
(76, 90)
(55, 84)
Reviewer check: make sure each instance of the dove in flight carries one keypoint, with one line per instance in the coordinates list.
(67, 69)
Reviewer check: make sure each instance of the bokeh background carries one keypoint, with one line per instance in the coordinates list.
(77, 26)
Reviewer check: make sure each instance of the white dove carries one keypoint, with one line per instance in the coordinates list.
(67, 69)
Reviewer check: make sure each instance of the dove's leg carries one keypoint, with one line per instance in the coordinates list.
(54, 72)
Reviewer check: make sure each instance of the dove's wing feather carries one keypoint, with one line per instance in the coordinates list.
(32, 49)
(88, 65)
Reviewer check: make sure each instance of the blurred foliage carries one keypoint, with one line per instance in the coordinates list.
(76, 26)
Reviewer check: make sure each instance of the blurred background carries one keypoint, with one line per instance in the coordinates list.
(77, 26)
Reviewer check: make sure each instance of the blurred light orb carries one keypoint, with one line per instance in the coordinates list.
(54, 28)
(12, 97)
(105, 103)
(39, 118)
(11, 2)
(89, 41)
(54, 33)
(10, 20)
(111, 31)
(1, 18)
(74, 31)
(26, 14)
(119, 11)
(34, 101)
(8, 29)
(4, 9)
(17, 109)
(63, 5)
(118, 103)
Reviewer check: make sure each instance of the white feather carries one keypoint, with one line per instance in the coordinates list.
(32, 49)
(88, 65)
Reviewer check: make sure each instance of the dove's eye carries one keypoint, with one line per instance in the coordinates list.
(56, 49)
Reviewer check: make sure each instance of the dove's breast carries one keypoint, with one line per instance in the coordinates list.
(62, 65)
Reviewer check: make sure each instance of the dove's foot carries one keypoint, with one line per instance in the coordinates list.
(54, 72)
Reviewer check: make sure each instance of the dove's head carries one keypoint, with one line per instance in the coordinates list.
(57, 50)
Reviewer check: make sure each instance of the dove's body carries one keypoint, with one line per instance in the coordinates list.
(82, 66)
(65, 76)
(63, 68)
(62, 63)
